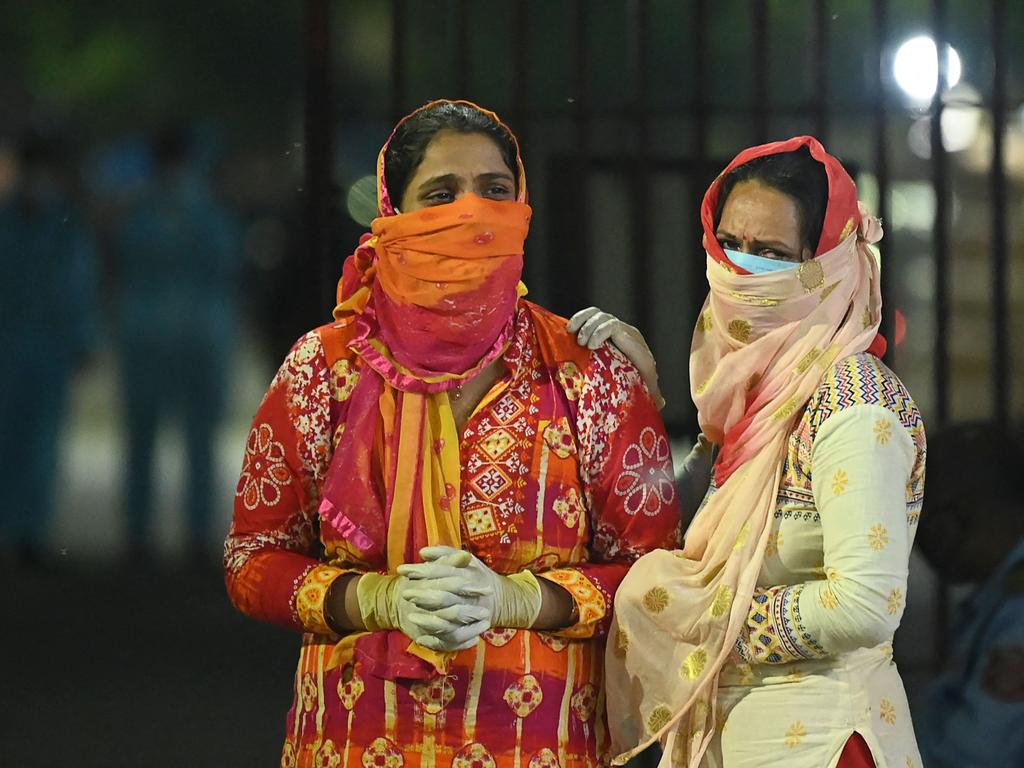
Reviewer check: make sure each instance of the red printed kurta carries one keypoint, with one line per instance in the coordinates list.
(566, 472)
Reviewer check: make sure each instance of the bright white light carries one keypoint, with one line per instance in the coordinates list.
(916, 67)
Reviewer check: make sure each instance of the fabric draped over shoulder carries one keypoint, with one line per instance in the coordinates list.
(759, 349)
(430, 299)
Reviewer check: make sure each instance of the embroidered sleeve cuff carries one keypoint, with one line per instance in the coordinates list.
(309, 600)
(775, 632)
(590, 602)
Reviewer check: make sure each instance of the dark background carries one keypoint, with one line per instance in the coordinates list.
(625, 109)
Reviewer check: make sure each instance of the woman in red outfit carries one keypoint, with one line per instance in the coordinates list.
(442, 490)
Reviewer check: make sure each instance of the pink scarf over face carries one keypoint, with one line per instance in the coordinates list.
(430, 298)
(760, 347)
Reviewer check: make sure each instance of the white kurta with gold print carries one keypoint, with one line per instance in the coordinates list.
(814, 664)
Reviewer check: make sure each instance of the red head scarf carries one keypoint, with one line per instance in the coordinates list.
(760, 347)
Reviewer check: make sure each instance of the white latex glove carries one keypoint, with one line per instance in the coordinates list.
(384, 604)
(594, 327)
(456, 588)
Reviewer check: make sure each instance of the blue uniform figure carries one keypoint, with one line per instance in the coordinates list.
(178, 263)
(48, 325)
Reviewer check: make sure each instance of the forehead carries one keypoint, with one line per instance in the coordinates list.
(463, 154)
(757, 211)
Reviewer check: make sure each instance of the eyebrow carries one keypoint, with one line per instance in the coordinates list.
(448, 178)
(776, 245)
(442, 179)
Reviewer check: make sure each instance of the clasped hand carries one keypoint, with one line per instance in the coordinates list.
(454, 598)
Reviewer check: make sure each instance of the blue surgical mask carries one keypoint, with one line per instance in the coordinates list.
(757, 265)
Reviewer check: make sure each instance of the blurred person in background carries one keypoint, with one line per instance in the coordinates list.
(48, 326)
(442, 490)
(974, 534)
(775, 622)
(178, 265)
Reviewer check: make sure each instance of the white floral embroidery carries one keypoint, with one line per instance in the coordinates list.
(264, 471)
(645, 483)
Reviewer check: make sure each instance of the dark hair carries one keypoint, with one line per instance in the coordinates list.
(796, 174)
(405, 152)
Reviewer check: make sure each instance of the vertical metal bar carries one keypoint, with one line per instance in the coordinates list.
(940, 244)
(760, 69)
(640, 13)
(398, 60)
(581, 130)
(940, 232)
(520, 68)
(461, 52)
(881, 121)
(701, 109)
(1000, 243)
(819, 49)
(319, 154)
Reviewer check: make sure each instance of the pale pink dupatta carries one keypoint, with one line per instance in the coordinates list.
(759, 350)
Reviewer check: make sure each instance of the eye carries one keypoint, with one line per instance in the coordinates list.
(440, 197)
(731, 245)
(498, 192)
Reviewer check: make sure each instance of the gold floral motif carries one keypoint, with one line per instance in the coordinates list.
(886, 650)
(797, 731)
(621, 643)
(848, 229)
(703, 386)
(545, 758)
(382, 753)
(757, 301)
(741, 537)
(350, 690)
(788, 409)
(895, 601)
(866, 320)
(811, 275)
(704, 322)
(524, 696)
(883, 431)
(659, 718)
(839, 482)
(694, 663)
(740, 330)
(327, 756)
(808, 360)
(474, 755)
(584, 703)
(828, 599)
(828, 291)
(878, 537)
(345, 378)
(887, 712)
(433, 695)
(774, 542)
(308, 692)
(722, 602)
(656, 599)
(571, 379)
(288, 757)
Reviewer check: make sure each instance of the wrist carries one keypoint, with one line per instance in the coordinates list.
(521, 601)
(376, 597)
